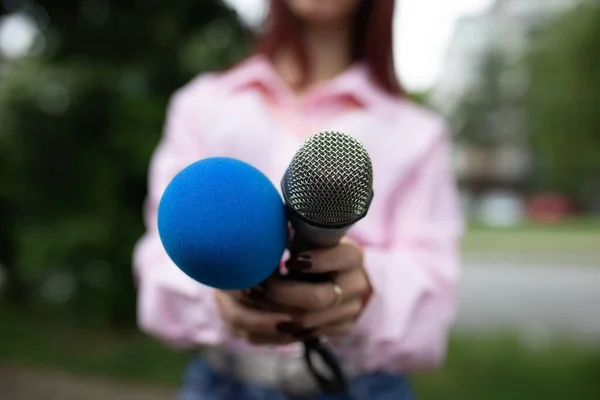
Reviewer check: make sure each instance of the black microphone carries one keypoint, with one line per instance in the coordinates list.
(327, 188)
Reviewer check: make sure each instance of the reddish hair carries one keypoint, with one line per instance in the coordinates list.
(372, 41)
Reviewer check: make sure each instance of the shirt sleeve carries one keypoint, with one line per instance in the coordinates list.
(171, 306)
(414, 274)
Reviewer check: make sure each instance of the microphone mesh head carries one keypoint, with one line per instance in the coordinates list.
(330, 179)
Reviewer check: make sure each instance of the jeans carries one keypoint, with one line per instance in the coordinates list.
(202, 383)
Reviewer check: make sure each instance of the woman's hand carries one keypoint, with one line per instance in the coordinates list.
(330, 308)
(282, 312)
(245, 320)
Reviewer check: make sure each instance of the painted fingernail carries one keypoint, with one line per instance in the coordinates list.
(288, 327)
(303, 334)
(255, 294)
(301, 262)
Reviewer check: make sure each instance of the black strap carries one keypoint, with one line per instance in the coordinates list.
(337, 384)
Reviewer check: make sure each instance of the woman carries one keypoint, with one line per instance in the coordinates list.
(320, 65)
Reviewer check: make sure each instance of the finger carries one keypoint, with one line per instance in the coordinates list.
(354, 284)
(316, 296)
(251, 321)
(301, 295)
(336, 331)
(259, 299)
(272, 340)
(342, 257)
(346, 312)
(254, 297)
(270, 306)
(235, 332)
(262, 339)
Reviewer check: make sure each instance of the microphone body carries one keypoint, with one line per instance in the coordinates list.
(223, 223)
(327, 188)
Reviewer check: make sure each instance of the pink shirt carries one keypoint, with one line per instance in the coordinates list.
(410, 235)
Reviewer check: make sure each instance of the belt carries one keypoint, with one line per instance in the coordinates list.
(285, 373)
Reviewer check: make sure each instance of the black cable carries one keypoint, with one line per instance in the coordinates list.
(337, 383)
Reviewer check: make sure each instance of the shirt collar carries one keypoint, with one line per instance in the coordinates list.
(354, 83)
(254, 70)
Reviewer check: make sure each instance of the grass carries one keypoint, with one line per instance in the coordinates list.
(502, 367)
(477, 368)
(44, 339)
(574, 240)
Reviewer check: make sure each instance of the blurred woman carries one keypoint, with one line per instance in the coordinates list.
(319, 65)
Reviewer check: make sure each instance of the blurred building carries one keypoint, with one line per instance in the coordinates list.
(505, 29)
(507, 25)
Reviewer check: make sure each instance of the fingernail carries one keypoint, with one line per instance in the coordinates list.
(303, 334)
(288, 327)
(301, 262)
(255, 294)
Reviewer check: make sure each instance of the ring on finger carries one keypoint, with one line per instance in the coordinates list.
(338, 294)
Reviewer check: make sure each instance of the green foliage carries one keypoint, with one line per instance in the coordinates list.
(472, 120)
(419, 97)
(81, 123)
(563, 102)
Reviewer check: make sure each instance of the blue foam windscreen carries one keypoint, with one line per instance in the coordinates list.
(223, 223)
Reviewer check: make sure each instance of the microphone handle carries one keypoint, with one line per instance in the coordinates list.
(310, 237)
(298, 245)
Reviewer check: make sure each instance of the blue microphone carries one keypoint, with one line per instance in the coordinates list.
(223, 223)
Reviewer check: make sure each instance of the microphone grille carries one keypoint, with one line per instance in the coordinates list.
(330, 179)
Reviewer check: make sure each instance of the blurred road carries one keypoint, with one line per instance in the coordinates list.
(534, 299)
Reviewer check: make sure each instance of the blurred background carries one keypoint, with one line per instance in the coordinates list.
(83, 91)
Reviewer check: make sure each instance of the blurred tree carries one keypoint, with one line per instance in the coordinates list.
(473, 118)
(85, 114)
(420, 97)
(563, 102)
